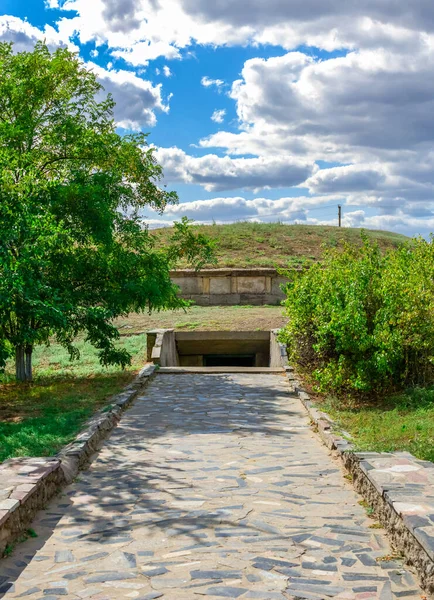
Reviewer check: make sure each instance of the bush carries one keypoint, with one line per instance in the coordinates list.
(363, 320)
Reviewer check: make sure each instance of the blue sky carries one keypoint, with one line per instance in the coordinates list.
(282, 111)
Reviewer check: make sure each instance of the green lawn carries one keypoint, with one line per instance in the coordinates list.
(402, 422)
(38, 419)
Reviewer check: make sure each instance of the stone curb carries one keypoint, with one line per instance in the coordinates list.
(397, 486)
(27, 484)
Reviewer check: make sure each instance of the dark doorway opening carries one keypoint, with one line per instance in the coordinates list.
(229, 360)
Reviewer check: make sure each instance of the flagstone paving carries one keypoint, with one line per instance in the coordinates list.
(212, 486)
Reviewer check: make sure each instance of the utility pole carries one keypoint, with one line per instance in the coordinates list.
(340, 215)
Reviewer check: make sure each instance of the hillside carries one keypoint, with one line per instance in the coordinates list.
(271, 244)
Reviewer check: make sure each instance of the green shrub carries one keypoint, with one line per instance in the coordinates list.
(363, 320)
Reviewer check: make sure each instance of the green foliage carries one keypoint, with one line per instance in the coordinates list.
(74, 253)
(363, 320)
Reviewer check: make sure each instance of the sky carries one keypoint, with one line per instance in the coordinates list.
(265, 110)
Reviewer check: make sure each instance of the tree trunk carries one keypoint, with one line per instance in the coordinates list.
(20, 363)
(29, 352)
(23, 363)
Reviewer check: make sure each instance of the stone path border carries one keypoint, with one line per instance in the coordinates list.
(27, 484)
(397, 486)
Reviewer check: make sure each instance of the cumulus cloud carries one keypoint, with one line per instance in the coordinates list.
(142, 52)
(24, 35)
(352, 178)
(144, 29)
(208, 82)
(121, 16)
(166, 71)
(238, 208)
(136, 99)
(370, 110)
(217, 173)
(218, 116)
(367, 111)
(345, 106)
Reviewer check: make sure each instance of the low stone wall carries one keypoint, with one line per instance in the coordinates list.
(161, 348)
(216, 287)
(278, 355)
(398, 487)
(27, 484)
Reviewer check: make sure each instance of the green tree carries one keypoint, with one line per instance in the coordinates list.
(74, 253)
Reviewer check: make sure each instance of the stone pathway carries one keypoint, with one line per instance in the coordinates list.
(212, 486)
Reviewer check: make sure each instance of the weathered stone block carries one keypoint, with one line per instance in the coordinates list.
(251, 285)
(220, 285)
(200, 300)
(276, 284)
(253, 299)
(224, 299)
(272, 299)
(189, 285)
(10, 504)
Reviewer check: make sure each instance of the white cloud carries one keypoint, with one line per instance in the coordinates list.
(141, 30)
(218, 116)
(167, 72)
(237, 208)
(342, 108)
(347, 179)
(24, 35)
(217, 173)
(208, 82)
(142, 52)
(136, 99)
(370, 110)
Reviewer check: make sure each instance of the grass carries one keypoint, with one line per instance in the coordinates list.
(404, 421)
(276, 244)
(38, 419)
(206, 318)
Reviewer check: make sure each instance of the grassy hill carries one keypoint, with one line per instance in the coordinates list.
(271, 244)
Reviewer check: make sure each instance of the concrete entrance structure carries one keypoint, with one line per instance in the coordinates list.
(170, 348)
(214, 287)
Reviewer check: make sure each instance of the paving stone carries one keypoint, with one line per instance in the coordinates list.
(103, 577)
(226, 592)
(213, 486)
(62, 556)
(154, 572)
(215, 575)
(76, 575)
